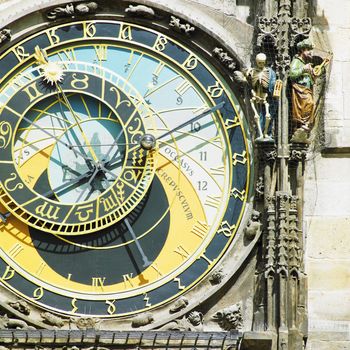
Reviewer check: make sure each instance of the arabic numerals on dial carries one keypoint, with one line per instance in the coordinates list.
(202, 185)
(203, 156)
(195, 126)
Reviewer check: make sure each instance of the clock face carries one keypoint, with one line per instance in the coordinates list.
(125, 168)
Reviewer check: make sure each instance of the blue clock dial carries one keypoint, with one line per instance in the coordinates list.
(127, 168)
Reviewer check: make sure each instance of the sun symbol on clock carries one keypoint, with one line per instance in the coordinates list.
(52, 72)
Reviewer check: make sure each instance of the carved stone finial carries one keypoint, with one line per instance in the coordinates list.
(71, 10)
(179, 304)
(5, 34)
(21, 306)
(142, 320)
(52, 319)
(298, 155)
(300, 28)
(229, 318)
(140, 10)
(259, 187)
(253, 226)
(268, 31)
(217, 276)
(225, 59)
(180, 27)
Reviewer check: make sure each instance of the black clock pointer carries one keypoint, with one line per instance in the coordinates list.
(67, 185)
(4, 217)
(199, 116)
(146, 262)
(58, 139)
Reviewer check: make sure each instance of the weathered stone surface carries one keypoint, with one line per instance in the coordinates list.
(324, 345)
(329, 274)
(329, 305)
(328, 238)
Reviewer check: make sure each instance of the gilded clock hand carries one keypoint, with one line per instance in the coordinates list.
(78, 123)
(146, 262)
(57, 139)
(199, 116)
(88, 184)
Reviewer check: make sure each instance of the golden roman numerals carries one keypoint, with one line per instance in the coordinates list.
(67, 55)
(218, 171)
(213, 201)
(155, 267)
(127, 278)
(157, 72)
(32, 91)
(204, 257)
(98, 282)
(200, 229)
(40, 269)
(183, 87)
(101, 52)
(15, 250)
(182, 252)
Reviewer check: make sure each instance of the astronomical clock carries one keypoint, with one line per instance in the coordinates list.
(125, 163)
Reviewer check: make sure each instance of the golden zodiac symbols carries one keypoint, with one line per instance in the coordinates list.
(5, 134)
(13, 177)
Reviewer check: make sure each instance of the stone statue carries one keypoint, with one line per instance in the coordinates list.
(193, 322)
(262, 80)
(13, 323)
(184, 27)
(230, 318)
(71, 10)
(142, 320)
(140, 10)
(303, 76)
(253, 226)
(179, 304)
(5, 34)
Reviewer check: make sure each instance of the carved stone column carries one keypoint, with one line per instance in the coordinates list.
(285, 281)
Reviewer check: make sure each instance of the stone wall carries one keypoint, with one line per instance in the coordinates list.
(327, 194)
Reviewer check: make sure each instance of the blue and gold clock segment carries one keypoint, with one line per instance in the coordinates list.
(102, 225)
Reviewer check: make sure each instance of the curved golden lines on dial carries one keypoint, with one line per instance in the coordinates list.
(181, 223)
